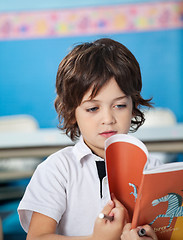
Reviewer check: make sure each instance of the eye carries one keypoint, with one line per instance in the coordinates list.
(119, 106)
(93, 109)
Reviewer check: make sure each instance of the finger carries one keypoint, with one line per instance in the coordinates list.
(127, 227)
(118, 204)
(150, 232)
(129, 233)
(120, 214)
(108, 207)
(113, 196)
(116, 201)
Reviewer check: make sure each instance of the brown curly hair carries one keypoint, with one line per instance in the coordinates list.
(93, 65)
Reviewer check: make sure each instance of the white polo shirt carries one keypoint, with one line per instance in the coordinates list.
(66, 187)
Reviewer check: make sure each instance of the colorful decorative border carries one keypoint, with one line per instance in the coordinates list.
(91, 20)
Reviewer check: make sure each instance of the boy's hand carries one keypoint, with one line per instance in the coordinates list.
(111, 230)
(132, 234)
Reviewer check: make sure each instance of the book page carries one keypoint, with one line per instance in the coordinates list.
(166, 167)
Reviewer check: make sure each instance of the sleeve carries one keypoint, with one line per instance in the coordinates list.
(152, 162)
(45, 194)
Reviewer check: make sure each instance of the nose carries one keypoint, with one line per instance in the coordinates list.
(108, 117)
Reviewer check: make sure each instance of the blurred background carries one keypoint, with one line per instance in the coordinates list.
(36, 35)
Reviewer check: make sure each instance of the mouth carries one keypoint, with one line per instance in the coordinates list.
(108, 134)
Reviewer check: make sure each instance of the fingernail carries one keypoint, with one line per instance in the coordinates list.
(112, 195)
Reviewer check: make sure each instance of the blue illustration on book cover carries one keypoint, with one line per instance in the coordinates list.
(175, 208)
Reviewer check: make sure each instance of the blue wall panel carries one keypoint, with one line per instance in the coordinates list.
(28, 71)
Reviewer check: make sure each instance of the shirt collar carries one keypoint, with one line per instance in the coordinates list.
(81, 151)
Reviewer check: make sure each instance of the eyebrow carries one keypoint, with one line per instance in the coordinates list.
(115, 99)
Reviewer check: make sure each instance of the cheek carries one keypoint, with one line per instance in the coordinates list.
(85, 128)
(131, 113)
(126, 122)
(83, 122)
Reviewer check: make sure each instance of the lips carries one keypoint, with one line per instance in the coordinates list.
(108, 134)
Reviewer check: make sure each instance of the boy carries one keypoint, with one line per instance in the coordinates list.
(98, 94)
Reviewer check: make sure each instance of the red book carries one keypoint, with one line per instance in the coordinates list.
(151, 195)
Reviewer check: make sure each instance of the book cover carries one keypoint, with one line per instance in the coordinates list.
(125, 157)
(160, 201)
(151, 195)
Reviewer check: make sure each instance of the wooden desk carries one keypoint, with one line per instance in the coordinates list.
(162, 139)
(40, 143)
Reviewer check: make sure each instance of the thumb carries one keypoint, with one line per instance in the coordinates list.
(116, 202)
(119, 205)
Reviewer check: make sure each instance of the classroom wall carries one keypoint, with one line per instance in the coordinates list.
(35, 37)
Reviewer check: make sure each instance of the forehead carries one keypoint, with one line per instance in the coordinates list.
(109, 90)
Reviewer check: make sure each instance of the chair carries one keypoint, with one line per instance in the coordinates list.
(14, 123)
(14, 176)
(160, 117)
(18, 123)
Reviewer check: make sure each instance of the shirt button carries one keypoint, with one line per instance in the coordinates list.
(105, 181)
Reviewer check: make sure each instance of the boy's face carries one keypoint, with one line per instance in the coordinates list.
(108, 113)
